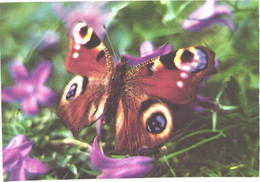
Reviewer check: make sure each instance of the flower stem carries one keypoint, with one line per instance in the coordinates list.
(193, 146)
(214, 121)
(69, 141)
(167, 163)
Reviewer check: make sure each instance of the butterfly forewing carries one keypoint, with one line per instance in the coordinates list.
(87, 54)
(175, 76)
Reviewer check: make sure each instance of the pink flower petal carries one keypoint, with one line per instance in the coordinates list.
(18, 173)
(100, 161)
(10, 159)
(207, 14)
(34, 166)
(129, 171)
(196, 25)
(99, 125)
(222, 10)
(14, 93)
(41, 73)
(50, 41)
(19, 72)
(19, 143)
(45, 95)
(16, 141)
(199, 104)
(92, 13)
(146, 48)
(204, 11)
(134, 61)
(224, 21)
(29, 105)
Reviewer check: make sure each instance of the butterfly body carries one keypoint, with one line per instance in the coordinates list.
(139, 100)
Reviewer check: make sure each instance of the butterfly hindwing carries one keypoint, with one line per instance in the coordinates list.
(82, 103)
(142, 122)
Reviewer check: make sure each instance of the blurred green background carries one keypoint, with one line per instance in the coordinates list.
(233, 150)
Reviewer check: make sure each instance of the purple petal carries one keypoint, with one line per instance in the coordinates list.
(132, 171)
(205, 79)
(19, 72)
(34, 166)
(10, 159)
(187, 112)
(222, 10)
(16, 141)
(209, 10)
(224, 21)
(41, 73)
(99, 125)
(146, 48)
(29, 105)
(204, 102)
(50, 41)
(92, 13)
(14, 93)
(100, 161)
(205, 11)
(133, 61)
(45, 95)
(208, 14)
(18, 173)
(19, 143)
(196, 25)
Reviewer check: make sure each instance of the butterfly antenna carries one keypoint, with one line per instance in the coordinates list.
(110, 43)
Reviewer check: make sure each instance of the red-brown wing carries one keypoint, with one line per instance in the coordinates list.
(84, 97)
(86, 55)
(82, 103)
(142, 121)
(175, 76)
(144, 116)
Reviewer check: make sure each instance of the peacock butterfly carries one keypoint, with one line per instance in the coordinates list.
(138, 99)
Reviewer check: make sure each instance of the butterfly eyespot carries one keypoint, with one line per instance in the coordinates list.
(190, 60)
(82, 33)
(74, 88)
(156, 123)
(72, 91)
(157, 118)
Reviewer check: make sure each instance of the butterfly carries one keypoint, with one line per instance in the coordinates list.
(137, 99)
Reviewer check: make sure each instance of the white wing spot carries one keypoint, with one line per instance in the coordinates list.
(75, 55)
(77, 47)
(180, 84)
(184, 75)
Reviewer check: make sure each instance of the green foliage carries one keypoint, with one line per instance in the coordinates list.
(196, 150)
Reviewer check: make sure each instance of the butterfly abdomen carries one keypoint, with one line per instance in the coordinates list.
(115, 88)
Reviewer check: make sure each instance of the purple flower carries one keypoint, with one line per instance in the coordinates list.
(17, 161)
(130, 167)
(49, 44)
(29, 88)
(94, 14)
(200, 104)
(207, 14)
(147, 51)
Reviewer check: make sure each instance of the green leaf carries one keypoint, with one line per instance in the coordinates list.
(73, 169)
(232, 91)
